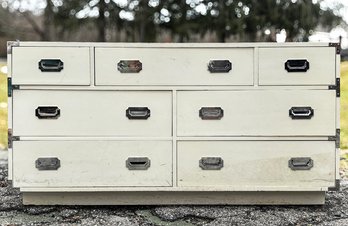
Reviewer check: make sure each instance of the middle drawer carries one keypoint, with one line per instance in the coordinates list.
(92, 113)
(256, 113)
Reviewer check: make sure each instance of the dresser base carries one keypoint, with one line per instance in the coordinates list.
(174, 198)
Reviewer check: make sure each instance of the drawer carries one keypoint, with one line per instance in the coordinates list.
(297, 66)
(92, 163)
(252, 164)
(51, 66)
(256, 113)
(92, 113)
(173, 66)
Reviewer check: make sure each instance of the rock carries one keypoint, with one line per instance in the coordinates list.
(65, 213)
(36, 210)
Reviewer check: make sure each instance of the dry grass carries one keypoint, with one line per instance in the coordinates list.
(3, 108)
(344, 105)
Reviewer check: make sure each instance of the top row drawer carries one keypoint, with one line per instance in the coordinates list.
(51, 66)
(172, 66)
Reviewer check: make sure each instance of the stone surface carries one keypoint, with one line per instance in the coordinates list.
(12, 212)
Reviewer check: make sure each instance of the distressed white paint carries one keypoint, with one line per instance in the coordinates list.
(256, 113)
(321, 66)
(256, 163)
(92, 163)
(93, 137)
(90, 113)
(173, 66)
(26, 70)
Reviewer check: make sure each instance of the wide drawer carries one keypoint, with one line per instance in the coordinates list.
(92, 163)
(51, 66)
(285, 165)
(174, 66)
(297, 66)
(256, 113)
(92, 113)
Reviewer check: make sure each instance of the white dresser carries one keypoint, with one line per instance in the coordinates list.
(141, 123)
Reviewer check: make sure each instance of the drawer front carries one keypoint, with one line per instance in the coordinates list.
(256, 113)
(251, 164)
(92, 113)
(297, 66)
(51, 66)
(173, 66)
(92, 163)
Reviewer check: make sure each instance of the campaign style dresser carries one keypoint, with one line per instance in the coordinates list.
(164, 123)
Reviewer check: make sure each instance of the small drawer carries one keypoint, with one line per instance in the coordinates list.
(92, 163)
(297, 66)
(92, 113)
(256, 113)
(174, 66)
(51, 66)
(250, 164)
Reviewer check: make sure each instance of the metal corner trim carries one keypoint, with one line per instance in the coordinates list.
(337, 45)
(11, 44)
(336, 187)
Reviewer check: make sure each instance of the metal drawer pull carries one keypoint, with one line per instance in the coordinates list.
(138, 113)
(129, 66)
(211, 113)
(51, 65)
(211, 163)
(219, 66)
(47, 163)
(138, 163)
(301, 112)
(297, 65)
(47, 112)
(302, 163)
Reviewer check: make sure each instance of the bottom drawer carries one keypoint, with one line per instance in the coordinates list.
(257, 164)
(92, 163)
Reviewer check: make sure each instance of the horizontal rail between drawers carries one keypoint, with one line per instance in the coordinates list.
(236, 138)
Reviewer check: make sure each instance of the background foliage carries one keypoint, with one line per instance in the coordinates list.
(169, 21)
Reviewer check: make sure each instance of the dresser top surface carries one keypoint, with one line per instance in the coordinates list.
(170, 45)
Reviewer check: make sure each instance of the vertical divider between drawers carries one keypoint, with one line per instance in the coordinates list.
(92, 66)
(174, 140)
(256, 66)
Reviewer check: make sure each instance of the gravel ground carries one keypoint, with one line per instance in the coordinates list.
(12, 212)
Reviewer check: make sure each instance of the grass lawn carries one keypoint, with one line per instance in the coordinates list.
(344, 105)
(3, 108)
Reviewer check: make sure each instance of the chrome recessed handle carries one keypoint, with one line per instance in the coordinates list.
(301, 112)
(300, 163)
(138, 163)
(129, 66)
(138, 113)
(50, 163)
(211, 163)
(47, 112)
(219, 66)
(211, 113)
(297, 65)
(51, 65)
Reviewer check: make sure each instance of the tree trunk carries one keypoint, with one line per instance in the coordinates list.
(48, 22)
(101, 21)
